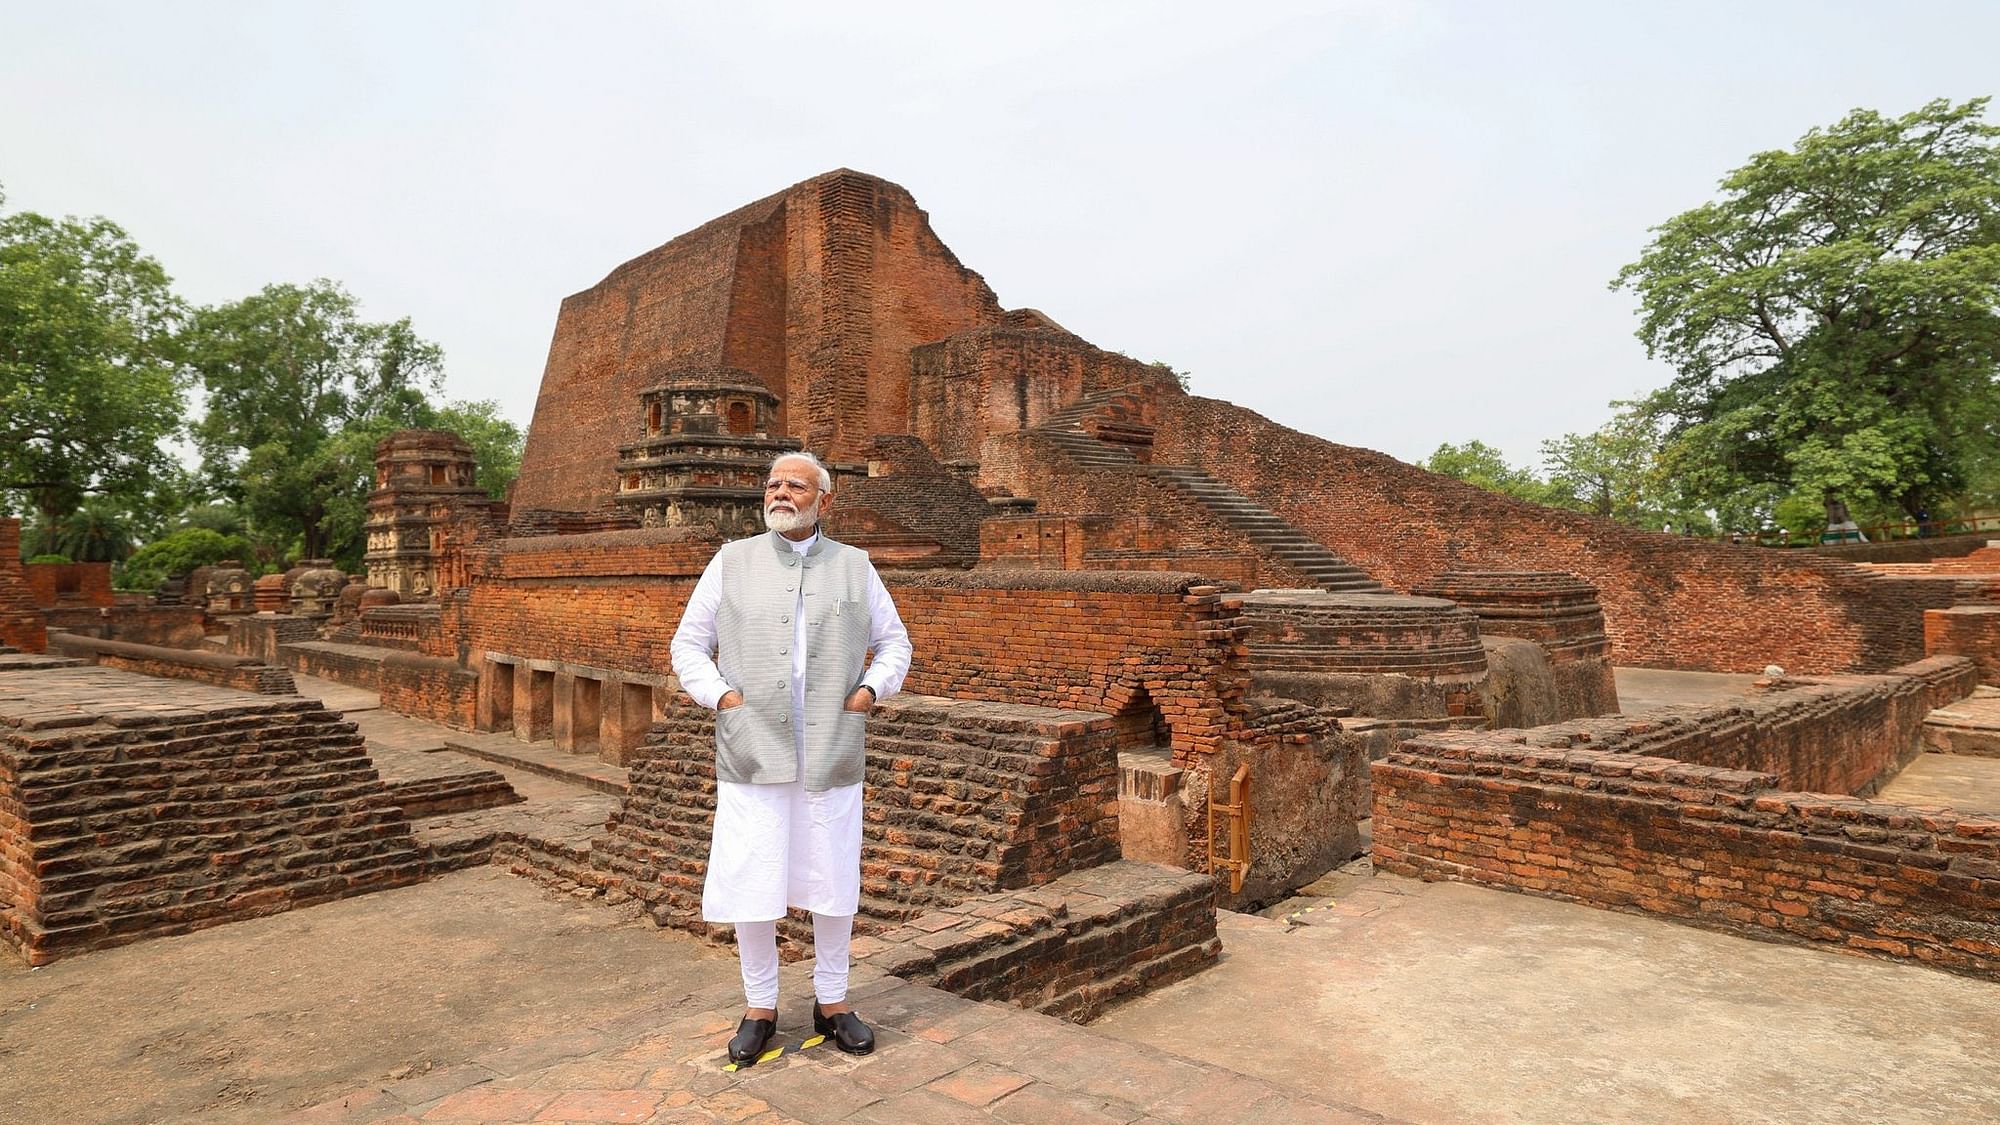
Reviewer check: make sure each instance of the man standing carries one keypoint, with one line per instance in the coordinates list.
(774, 639)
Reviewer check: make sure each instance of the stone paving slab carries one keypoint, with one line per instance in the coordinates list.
(339, 696)
(1963, 782)
(86, 694)
(1007, 1065)
(34, 662)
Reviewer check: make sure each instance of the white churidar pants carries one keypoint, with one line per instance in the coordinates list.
(757, 953)
(780, 846)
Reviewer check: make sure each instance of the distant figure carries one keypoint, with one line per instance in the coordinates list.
(1669, 529)
(1736, 537)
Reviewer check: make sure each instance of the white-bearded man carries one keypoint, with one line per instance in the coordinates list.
(774, 639)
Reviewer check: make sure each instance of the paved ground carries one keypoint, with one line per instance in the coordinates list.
(479, 996)
(1444, 1002)
(1957, 781)
(246, 1021)
(1643, 689)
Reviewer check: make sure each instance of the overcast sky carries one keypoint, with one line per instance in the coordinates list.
(1387, 223)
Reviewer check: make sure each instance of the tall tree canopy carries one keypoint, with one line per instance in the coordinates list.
(1834, 318)
(1476, 462)
(88, 382)
(287, 371)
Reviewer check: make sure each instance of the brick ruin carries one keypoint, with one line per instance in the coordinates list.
(22, 625)
(122, 819)
(424, 480)
(1124, 599)
(1752, 818)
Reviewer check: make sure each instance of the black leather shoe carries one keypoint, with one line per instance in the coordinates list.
(752, 1036)
(845, 1029)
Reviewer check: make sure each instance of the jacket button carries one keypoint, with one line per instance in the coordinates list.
(786, 620)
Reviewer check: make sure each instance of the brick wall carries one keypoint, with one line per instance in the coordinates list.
(1971, 631)
(1595, 812)
(609, 600)
(170, 626)
(1089, 641)
(219, 669)
(1669, 601)
(20, 621)
(69, 583)
(820, 291)
(119, 822)
(997, 379)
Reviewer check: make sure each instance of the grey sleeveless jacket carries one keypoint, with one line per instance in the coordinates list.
(762, 578)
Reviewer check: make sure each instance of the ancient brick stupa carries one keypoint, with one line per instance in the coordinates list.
(706, 438)
(422, 479)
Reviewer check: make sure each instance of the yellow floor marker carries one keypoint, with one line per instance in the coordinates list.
(776, 1053)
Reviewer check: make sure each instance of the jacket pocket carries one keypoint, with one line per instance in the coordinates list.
(735, 757)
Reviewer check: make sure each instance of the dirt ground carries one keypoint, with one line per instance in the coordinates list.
(246, 1021)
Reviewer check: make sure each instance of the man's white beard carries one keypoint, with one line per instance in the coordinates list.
(786, 522)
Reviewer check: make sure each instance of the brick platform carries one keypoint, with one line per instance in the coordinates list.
(1066, 948)
(1557, 611)
(128, 811)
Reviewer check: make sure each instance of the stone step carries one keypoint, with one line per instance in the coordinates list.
(1970, 726)
(541, 758)
(1268, 531)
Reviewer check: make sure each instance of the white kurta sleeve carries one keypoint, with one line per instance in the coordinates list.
(693, 647)
(888, 638)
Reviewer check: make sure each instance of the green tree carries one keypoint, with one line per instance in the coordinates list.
(1834, 317)
(1478, 463)
(1612, 471)
(89, 386)
(496, 442)
(100, 530)
(179, 553)
(287, 371)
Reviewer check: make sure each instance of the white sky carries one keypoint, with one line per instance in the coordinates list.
(1387, 223)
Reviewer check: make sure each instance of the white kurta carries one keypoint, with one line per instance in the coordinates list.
(779, 846)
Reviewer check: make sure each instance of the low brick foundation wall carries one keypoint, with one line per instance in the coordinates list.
(1832, 734)
(119, 821)
(432, 688)
(219, 669)
(169, 626)
(421, 797)
(1066, 949)
(1608, 822)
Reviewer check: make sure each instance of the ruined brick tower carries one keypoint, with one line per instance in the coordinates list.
(819, 292)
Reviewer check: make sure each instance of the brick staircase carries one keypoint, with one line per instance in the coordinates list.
(1265, 529)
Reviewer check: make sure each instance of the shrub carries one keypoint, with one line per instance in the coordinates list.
(179, 553)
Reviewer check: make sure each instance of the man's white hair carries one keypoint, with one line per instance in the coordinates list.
(825, 478)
